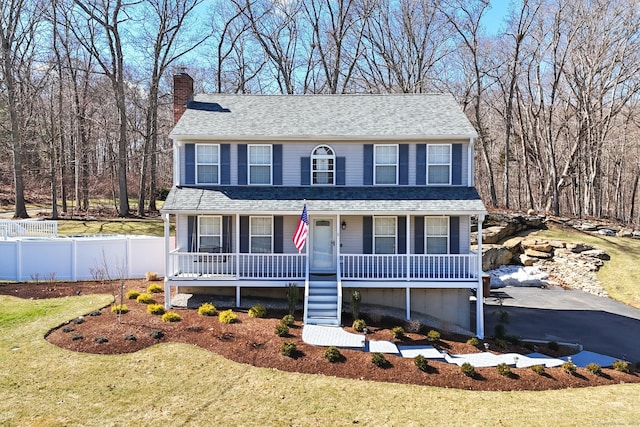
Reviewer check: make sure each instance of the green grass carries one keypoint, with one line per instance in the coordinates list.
(179, 384)
(149, 227)
(621, 275)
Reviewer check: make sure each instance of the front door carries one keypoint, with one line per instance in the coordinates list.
(323, 245)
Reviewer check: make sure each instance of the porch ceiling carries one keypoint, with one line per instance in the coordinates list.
(345, 200)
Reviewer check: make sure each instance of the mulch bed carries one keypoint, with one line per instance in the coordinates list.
(253, 341)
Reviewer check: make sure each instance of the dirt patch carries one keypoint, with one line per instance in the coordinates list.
(253, 341)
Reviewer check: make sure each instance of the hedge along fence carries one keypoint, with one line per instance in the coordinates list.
(80, 258)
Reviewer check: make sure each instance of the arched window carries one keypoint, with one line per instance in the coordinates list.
(323, 162)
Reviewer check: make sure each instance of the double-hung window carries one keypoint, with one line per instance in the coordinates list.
(386, 164)
(261, 234)
(384, 234)
(260, 164)
(207, 164)
(439, 164)
(323, 166)
(210, 234)
(436, 230)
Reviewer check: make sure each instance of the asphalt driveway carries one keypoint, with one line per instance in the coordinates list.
(600, 324)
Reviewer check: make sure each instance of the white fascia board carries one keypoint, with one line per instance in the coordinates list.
(186, 138)
(322, 212)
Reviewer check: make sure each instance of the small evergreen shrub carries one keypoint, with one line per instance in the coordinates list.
(293, 295)
(569, 368)
(132, 294)
(119, 308)
(258, 311)
(421, 362)
(501, 342)
(433, 335)
(468, 369)
(151, 276)
(503, 369)
(282, 330)
(359, 325)
(154, 288)
(156, 334)
(503, 317)
(397, 332)
(76, 337)
(100, 340)
(332, 354)
(155, 309)
(288, 320)
(95, 313)
(621, 366)
(538, 369)
(227, 316)
(552, 345)
(379, 360)
(145, 299)
(207, 309)
(594, 368)
(356, 299)
(67, 329)
(171, 316)
(473, 341)
(499, 331)
(130, 337)
(288, 348)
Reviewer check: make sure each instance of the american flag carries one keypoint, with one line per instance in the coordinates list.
(300, 236)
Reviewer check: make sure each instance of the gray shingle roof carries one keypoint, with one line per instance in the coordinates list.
(410, 116)
(346, 200)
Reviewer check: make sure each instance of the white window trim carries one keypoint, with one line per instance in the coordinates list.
(251, 235)
(207, 164)
(331, 157)
(249, 164)
(395, 234)
(200, 234)
(440, 164)
(427, 235)
(375, 163)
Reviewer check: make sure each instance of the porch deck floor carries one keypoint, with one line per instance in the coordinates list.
(326, 336)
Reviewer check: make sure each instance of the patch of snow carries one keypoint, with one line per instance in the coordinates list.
(515, 275)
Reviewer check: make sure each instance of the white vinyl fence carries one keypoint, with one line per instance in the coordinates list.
(80, 258)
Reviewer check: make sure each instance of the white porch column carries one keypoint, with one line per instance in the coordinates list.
(408, 267)
(237, 245)
(167, 256)
(479, 291)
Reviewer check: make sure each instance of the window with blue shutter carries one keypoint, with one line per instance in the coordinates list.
(192, 233)
(456, 164)
(190, 164)
(225, 164)
(305, 170)
(454, 235)
(367, 234)
(418, 234)
(244, 234)
(368, 164)
(277, 164)
(402, 235)
(341, 163)
(242, 164)
(278, 235)
(403, 173)
(421, 164)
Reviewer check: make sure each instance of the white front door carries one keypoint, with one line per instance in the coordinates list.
(323, 245)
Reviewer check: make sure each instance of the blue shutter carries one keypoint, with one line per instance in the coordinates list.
(244, 234)
(277, 164)
(418, 234)
(368, 164)
(225, 164)
(278, 242)
(305, 170)
(242, 164)
(367, 235)
(456, 164)
(192, 233)
(190, 164)
(402, 235)
(341, 163)
(403, 153)
(227, 234)
(454, 235)
(421, 164)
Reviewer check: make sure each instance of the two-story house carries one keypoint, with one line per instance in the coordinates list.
(387, 181)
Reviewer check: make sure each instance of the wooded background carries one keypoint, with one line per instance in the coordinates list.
(85, 89)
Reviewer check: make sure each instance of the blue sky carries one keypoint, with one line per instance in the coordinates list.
(495, 14)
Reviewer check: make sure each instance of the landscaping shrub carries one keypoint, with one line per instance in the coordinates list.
(171, 316)
(433, 335)
(473, 341)
(501, 342)
(151, 276)
(569, 368)
(207, 309)
(100, 340)
(421, 362)
(503, 369)
(258, 311)
(132, 294)
(621, 366)
(282, 330)
(332, 354)
(359, 325)
(499, 331)
(552, 345)
(468, 369)
(227, 316)
(145, 299)
(379, 360)
(503, 317)
(76, 337)
(156, 334)
(538, 369)
(288, 320)
(154, 288)
(130, 337)
(293, 294)
(397, 332)
(288, 348)
(119, 309)
(155, 309)
(356, 299)
(594, 368)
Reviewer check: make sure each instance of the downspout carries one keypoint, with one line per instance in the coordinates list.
(479, 291)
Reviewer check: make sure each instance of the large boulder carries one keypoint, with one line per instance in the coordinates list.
(493, 256)
(537, 245)
(537, 254)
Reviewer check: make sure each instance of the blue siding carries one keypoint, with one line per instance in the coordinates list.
(368, 165)
(421, 164)
(277, 164)
(190, 164)
(403, 154)
(341, 163)
(456, 164)
(242, 164)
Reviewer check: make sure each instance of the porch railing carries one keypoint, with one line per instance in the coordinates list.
(409, 267)
(28, 228)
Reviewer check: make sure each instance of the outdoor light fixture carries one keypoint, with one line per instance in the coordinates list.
(344, 225)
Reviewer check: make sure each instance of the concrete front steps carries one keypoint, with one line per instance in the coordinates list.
(322, 303)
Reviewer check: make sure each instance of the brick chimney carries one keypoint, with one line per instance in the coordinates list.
(182, 92)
